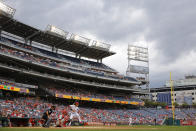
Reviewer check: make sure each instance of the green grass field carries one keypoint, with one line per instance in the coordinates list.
(117, 128)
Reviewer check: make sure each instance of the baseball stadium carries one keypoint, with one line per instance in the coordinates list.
(55, 80)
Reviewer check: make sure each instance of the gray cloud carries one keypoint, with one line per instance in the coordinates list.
(171, 26)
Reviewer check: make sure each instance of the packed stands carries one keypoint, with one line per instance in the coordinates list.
(75, 61)
(71, 91)
(13, 83)
(60, 61)
(24, 57)
(17, 87)
(33, 108)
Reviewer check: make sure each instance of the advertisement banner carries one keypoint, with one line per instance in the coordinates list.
(76, 97)
(95, 99)
(109, 101)
(12, 88)
(117, 101)
(85, 98)
(67, 96)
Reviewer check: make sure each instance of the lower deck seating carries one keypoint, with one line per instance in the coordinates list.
(33, 108)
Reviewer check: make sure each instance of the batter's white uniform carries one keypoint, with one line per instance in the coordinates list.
(74, 112)
(130, 121)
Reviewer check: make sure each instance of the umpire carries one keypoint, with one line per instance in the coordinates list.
(46, 116)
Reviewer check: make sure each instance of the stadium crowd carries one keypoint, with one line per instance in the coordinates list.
(72, 91)
(24, 105)
(31, 107)
(60, 61)
(12, 83)
(89, 94)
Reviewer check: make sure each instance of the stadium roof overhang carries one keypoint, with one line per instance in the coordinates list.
(30, 33)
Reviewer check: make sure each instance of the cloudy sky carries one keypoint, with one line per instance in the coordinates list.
(167, 26)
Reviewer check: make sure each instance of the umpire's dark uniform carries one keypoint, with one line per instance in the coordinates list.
(46, 116)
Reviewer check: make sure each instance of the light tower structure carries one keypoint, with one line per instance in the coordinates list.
(138, 64)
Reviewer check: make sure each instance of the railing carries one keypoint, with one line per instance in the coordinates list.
(59, 78)
(8, 42)
(20, 84)
(74, 70)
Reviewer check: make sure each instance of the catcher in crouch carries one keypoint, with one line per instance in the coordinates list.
(62, 119)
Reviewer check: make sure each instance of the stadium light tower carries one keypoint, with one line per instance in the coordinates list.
(56, 31)
(101, 45)
(138, 63)
(80, 39)
(6, 10)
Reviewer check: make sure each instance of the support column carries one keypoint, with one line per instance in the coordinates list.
(53, 48)
(76, 55)
(26, 41)
(30, 43)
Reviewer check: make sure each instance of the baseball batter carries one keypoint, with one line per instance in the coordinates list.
(74, 112)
